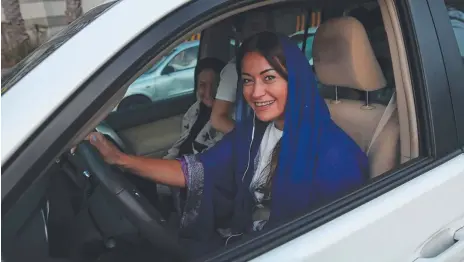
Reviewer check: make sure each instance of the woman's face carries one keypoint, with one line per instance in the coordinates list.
(263, 88)
(207, 82)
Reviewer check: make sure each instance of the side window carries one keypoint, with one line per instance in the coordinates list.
(172, 76)
(299, 36)
(456, 16)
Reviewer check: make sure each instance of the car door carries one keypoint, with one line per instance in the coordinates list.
(391, 219)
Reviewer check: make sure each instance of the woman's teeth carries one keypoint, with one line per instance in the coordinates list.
(266, 103)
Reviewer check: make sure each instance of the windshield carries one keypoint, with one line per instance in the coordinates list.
(42, 52)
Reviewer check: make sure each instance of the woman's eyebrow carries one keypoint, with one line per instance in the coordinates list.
(262, 72)
(267, 70)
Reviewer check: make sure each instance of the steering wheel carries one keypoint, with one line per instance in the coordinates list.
(113, 136)
(134, 205)
(109, 132)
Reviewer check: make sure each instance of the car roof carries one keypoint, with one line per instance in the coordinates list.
(35, 97)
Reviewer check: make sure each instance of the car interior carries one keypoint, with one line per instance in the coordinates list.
(87, 210)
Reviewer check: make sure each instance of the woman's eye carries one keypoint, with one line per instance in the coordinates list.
(269, 78)
(246, 81)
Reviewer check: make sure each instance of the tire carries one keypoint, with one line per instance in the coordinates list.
(132, 102)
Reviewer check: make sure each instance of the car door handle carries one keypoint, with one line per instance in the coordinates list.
(449, 253)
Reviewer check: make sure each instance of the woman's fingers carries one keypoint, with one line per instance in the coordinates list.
(88, 138)
(93, 137)
(98, 140)
(108, 150)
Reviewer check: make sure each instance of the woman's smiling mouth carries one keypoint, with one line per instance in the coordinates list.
(264, 103)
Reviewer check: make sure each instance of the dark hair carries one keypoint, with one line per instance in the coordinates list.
(268, 45)
(208, 63)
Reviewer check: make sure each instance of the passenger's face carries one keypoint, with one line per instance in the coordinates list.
(264, 89)
(207, 81)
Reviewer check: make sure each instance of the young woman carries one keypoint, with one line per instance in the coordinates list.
(197, 131)
(288, 159)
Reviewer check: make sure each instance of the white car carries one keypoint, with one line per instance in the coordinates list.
(57, 206)
(170, 77)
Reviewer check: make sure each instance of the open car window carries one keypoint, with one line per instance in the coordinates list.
(42, 52)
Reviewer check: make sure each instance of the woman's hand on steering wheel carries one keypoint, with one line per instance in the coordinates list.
(110, 153)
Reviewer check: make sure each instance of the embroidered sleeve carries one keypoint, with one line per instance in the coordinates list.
(194, 181)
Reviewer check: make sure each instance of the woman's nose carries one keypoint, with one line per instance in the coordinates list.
(259, 90)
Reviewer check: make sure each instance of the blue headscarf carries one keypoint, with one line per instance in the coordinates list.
(317, 163)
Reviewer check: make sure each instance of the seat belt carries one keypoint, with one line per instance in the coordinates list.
(383, 120)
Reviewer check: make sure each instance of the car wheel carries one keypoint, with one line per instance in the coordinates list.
(132, 102)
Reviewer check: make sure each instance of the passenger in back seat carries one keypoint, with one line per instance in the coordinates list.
(197, 132)
(223, 115)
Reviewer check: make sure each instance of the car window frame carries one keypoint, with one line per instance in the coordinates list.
(454, 65)
(50, 139)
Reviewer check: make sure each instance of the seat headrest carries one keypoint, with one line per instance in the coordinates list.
(343, 56)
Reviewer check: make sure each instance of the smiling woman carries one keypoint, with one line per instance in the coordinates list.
(290, 147)
(265, 86)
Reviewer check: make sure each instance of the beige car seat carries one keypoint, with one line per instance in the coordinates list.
(343, 56)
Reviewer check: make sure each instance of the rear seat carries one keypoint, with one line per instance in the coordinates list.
(343, 56)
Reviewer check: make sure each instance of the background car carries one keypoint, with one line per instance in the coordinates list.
(171, 76)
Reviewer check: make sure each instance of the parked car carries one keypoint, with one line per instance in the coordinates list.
(171, 76)
(63, 205)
